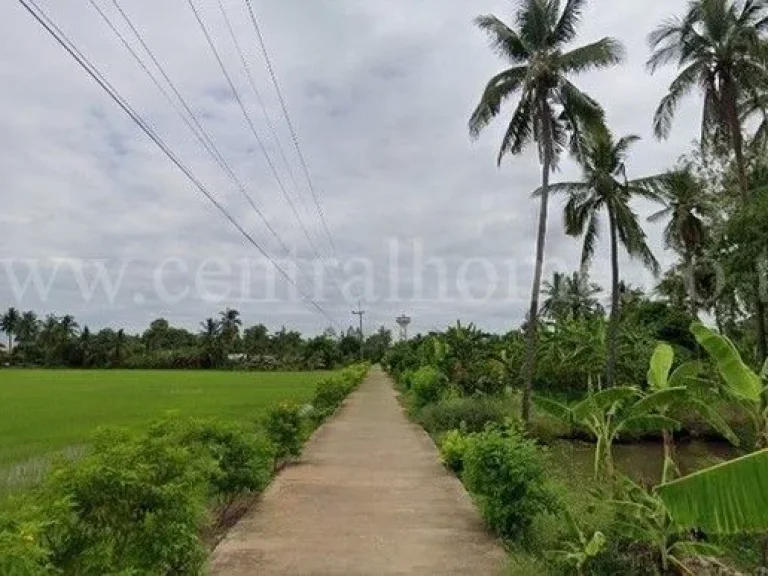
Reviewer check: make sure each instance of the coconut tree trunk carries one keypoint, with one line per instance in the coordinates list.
(613, 320)
(690, 284)
(541, 238)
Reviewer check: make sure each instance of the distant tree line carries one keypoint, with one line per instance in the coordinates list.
(223, 342)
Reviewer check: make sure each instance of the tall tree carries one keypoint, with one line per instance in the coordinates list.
(9, 323)
(549, 107)
(686, 207)
(570, 296)
(230, 323)
(605, 188)
(718, 47)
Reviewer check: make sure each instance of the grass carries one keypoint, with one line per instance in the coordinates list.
(44, 412)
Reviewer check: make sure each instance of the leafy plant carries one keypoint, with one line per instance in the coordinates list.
(453, 448)
(427, 384)
(644, 517)
(608, 413)
(582, 550)
(505, 472)
(472, 414)
(729, 498)
(742, 384)
(284, 428)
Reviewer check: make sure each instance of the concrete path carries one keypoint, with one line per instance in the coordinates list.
(369, 496)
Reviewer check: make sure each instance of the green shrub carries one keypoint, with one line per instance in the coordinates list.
(404, 380)
(241, 461)
(506, 474)
(22, 552)
(329, 393)
(427, 384)
(472, 414)
(133, 505)
(453, 448)
(284, 427)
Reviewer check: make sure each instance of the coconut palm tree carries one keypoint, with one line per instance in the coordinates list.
(686, 231)
(605, 188)
(9, 323)
(229, 324)
(571, 296)
(718, 45)
(549, 106)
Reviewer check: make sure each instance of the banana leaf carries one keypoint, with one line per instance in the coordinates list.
(742, 381)
(660, 365)
(554, 408)
(659, 401)
(729, 498)
(603, 400)
(713, 418)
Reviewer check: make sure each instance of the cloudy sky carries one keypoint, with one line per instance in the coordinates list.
(97, 222)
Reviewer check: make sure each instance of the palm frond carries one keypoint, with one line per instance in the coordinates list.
(604, 53)
(520, 130)
(570, 188)
(565, 30)
(590, 239)
(729, 498)
(504, 41)
(499, 88)
(681, 86)
(536, 20)
(660, 215)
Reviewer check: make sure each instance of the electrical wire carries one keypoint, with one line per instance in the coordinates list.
(294, 135)
(61, 38)
(249, 121)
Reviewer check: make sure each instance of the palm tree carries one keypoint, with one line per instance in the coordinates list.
(718, 45)
(686, 230)
(119, 345)
(229, 324)
(549, 107)
(605, 188)
(570, 296)
(9, 323)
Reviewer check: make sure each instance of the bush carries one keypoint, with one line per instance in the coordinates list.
(284, 428)
(453, 449)
(241, 461)
(427, 384)
(329, 394)
(134, 505)
(505, 472)
(472, 414)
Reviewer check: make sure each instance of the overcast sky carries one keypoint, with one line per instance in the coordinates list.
(379, 91)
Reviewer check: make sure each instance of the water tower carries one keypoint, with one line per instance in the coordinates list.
(403, 322)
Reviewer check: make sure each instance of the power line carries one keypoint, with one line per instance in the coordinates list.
(294, 136)
(250, 123)
(194, 125)
(61, 38)
(257, 93)
(360, 312)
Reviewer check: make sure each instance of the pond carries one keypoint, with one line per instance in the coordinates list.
(642, 461)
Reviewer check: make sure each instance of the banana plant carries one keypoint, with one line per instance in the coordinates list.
(580, 551)
(680, 387)
(644, 517)
(740, 382)
(608, 413)
(729, 498)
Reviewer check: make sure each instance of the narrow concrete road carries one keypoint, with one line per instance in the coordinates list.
(369, 496)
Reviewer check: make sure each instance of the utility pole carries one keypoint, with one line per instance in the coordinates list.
(359, 312)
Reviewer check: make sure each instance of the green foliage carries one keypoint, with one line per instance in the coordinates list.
(472, 414)
(643, 516)
(284, 427)
(242, 461)
(505, 472)
(729, 498)
(453, 448)
(135, 503)
(427, 385)
(581, 550)
(330, 392)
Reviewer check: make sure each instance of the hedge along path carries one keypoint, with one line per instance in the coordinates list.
(369, 496)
